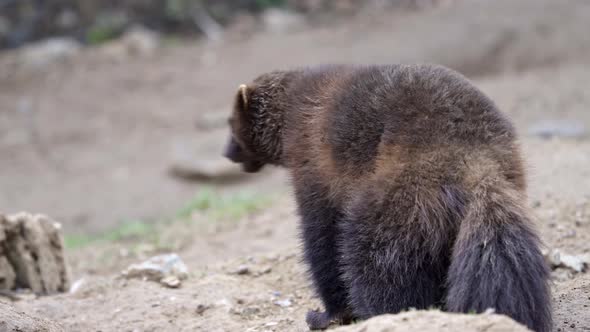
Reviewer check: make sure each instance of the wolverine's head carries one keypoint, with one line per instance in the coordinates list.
(240, 148)
(256, 122)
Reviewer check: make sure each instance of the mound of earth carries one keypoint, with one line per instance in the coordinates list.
(436, 321)
(12, 320)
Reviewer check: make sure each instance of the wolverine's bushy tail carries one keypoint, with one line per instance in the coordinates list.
(497, 262)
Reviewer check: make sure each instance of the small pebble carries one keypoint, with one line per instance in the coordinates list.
(201, 308)
(250, 311)
(558, 128)
(569, 234)
(283, 303)
(242, 270)
(171, 282)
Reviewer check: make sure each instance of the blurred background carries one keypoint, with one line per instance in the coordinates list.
(113, 121)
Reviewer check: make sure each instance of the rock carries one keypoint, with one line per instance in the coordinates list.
(136, 42)
(280, 21)
(552, 257)
(242, 26)
(283, 303)
(43, 53)
(169, 270)
(171, 282)
(12, 320)
(242, 270)
(201, 308)
(562, 274)
(568, 234)
(31, 254)
(576, 263)
(434, 320)
(558, 128)
(141, 41)
(203, 160)
(266, 269)
(77, 285)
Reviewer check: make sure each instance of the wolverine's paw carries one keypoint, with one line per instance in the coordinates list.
(319, 320)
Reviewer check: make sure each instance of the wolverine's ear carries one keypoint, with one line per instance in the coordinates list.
(242, 98)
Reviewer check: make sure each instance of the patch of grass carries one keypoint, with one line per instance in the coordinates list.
(128, 230)
(200, 202)
(217, 206)
(107, 26)
(214, 206)
(73, 241)
(132, 229)
(99, 35)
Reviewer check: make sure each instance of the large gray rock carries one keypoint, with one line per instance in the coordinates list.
(281, 21)
(201, 159)
(43, 53)
(169, 270)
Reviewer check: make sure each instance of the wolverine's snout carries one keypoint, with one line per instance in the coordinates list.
(234, 152)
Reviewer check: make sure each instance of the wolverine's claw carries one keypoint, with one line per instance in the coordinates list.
(317, 320)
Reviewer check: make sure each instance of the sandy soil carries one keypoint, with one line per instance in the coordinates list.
(95, 150)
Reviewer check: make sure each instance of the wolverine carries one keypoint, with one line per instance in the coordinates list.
(410, 186)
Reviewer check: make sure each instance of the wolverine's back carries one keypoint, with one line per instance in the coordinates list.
(364, 121)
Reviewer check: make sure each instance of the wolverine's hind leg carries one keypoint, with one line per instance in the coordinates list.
(320, 232)
(391, 260)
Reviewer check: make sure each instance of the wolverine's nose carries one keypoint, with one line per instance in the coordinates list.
(236, 158)
(233, 152)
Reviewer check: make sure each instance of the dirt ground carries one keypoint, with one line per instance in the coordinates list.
(94, 149)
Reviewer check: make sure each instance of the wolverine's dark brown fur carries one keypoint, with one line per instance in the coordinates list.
(410, 186)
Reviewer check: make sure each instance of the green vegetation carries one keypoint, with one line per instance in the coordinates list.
(216, 206)
(99, 35)
(128, 230)
(213, 206)
(107, 26)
